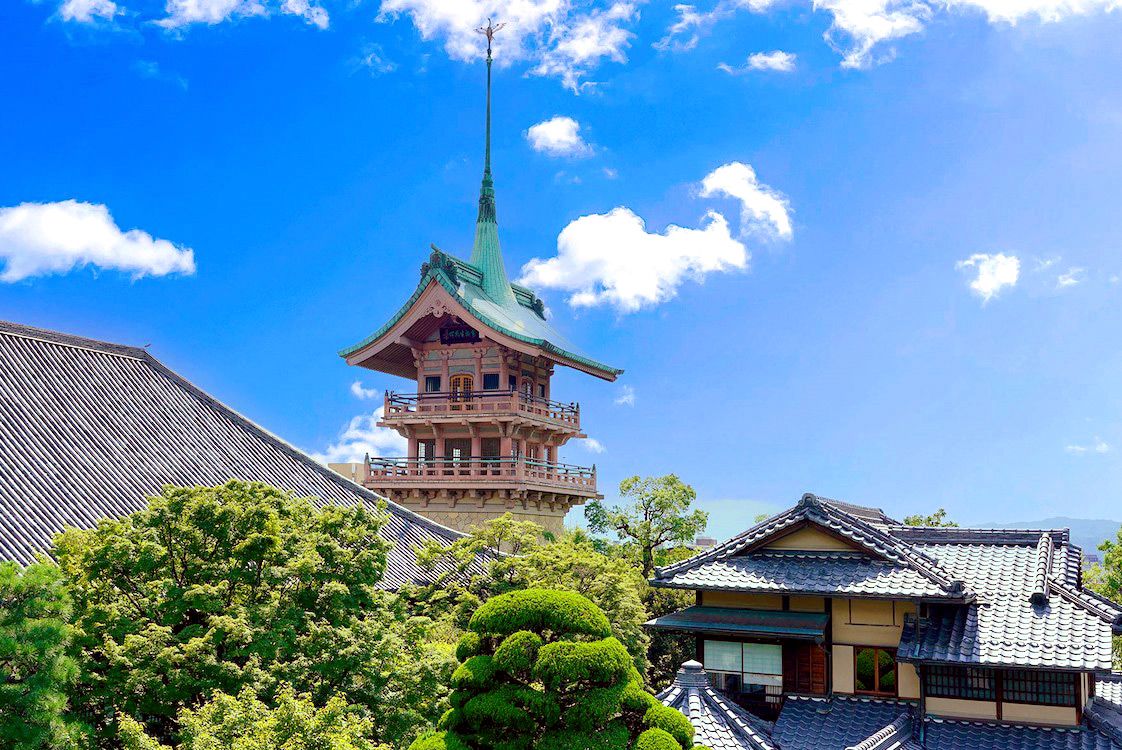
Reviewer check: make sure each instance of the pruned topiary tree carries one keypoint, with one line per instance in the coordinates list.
(541, 671)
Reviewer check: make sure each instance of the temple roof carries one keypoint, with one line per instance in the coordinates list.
(718, 723)
(90, 430)
(482, 289)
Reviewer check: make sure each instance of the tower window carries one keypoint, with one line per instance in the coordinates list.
(490, 381)
(432, 384)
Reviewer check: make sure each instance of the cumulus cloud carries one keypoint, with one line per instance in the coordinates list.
(37, 239)
(182, 13)
(559, 38)
(363, 437)
(626, 396)
(777, 61)
(88, 11)
(1098, 445)
(763, 211)
(612, 259)
(362, 393)
(558, 136)
(992, 273)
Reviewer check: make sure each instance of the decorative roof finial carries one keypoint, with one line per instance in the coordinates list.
(485, 252)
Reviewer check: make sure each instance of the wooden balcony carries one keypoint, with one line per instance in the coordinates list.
(497, 472)
(405, 408)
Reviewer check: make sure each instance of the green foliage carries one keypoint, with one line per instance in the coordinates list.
(549, 676)
(469, 645)
(438, 741)
(671, 721)
(212, 590)
(518, 652)
(246, 723)
(938, 518)
(559, 613)
(660, 514)
(656, 739)
(1105, 578)
(35, 670)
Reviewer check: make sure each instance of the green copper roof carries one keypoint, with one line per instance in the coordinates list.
(522, 317)
(482, 286)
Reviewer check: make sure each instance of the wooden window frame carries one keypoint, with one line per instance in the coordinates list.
(876, 672)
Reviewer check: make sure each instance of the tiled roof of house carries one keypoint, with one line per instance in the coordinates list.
(845, 723)
(90, 430)
(1009, 623)
(820, 573)
(945, 734)
(1106, 717)
(719, 723)
(1109, 688)
(828, 515)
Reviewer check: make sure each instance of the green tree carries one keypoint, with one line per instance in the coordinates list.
(659, 515)
(1105, 578)
(35, 670)
(541, 671)
(246, 723)
(212, 590)
(938, 518)
(573, 562)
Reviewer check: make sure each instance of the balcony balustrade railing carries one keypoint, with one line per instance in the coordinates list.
(441, 403)
(512, 468)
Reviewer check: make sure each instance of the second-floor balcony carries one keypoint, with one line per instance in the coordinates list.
(481, 472)
(409, 407)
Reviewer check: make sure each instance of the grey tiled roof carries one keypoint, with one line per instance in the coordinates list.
(942, 734)
(89, 430)
(1109, 688)
(719, 723)
(841, 722)
(1105, 717)
(1003, 626)
(822, 573)
(829, 515)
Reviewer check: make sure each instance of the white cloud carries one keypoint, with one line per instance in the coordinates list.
(87, 11)
(373, 59)
(691, 24)
(611, 259)
(1098, 445)
(560, 38)
(1072, 277)
(626, 396)
(992, 273)
(37, 239)
(558, 136)
(362, 437)
(764, 211)
(364, 394)
(778, 61)
(592, 445)
(186, 12)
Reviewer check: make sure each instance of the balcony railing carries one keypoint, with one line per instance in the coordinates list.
(504, 468)
(480, 402)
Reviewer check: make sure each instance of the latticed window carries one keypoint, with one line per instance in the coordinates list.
(969, 683)
(1045, 688)
(874, 671)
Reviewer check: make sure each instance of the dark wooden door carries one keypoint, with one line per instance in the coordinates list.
(804, 668)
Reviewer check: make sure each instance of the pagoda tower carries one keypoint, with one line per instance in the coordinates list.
(480, 416)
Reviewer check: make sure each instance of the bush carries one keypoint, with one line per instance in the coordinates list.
(671, 721)
(656, 739)
(469, 645)
(475, 674)
(559, 613)
(518, 652)
(566, 663)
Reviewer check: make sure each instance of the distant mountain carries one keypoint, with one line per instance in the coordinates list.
(1086, 533)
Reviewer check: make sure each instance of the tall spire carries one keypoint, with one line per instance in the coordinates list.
(486, 255)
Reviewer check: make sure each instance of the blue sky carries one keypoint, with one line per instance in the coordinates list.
(938, 327)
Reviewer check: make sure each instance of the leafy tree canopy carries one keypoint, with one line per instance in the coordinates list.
(1106, 578)
(938, 518)
(246, 723)
(540, 672)
(213, 590)
(35, 670)
(660, 514)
